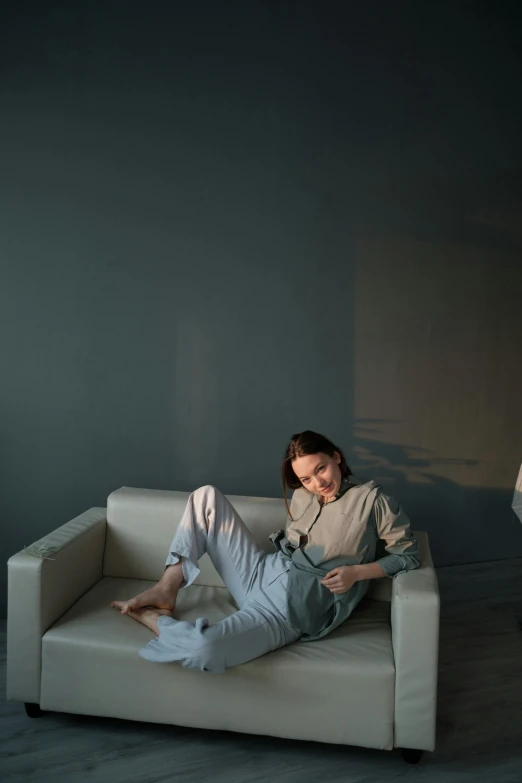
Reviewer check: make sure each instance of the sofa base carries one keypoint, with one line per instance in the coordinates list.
(410, 755)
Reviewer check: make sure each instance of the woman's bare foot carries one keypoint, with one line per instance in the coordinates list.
(157, 596)
(146, 616)
(162, 596)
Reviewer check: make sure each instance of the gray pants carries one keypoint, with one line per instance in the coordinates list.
(256, 580)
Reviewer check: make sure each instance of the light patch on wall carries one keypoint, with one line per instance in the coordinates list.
(436, 384)
(379, 454)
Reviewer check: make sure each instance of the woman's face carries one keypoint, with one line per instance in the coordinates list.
(319, 473)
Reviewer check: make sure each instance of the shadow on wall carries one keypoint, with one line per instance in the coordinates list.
(465, 524)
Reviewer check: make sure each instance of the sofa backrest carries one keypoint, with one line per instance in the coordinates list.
(141, 524)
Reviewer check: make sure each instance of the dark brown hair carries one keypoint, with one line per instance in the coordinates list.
(301, 445)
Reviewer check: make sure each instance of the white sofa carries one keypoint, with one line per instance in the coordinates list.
(372, 682)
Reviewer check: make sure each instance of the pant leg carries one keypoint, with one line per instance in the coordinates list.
(259, 627)
(211, 524)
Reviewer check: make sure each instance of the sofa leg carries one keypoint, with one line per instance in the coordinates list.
(33, 710)
(411, 756)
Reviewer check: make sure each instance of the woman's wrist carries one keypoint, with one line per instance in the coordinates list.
(368, 571)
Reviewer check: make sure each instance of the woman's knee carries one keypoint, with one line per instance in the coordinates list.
(207, 490)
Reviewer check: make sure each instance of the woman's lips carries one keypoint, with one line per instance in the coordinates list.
(327, 488)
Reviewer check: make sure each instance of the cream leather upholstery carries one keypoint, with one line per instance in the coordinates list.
(372, 682)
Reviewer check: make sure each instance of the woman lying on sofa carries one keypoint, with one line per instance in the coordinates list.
(312, 583)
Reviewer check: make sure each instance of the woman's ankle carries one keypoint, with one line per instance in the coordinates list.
(173, 575)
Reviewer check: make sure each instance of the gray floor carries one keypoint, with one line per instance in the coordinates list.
(479, 724)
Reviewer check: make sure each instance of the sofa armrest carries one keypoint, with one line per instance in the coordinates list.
(39, 591)
(415, 612)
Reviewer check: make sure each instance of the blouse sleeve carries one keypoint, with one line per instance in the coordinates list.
(393, 526)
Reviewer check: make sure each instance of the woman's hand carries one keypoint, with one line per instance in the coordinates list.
(340, 579)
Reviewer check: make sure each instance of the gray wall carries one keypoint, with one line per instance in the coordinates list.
(227, 222)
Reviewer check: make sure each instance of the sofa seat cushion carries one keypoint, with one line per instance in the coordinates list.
(339, 689)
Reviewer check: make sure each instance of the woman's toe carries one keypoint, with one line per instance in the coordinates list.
(118, 605)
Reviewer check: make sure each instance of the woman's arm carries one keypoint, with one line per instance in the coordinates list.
(393, 527)
(368, 571)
